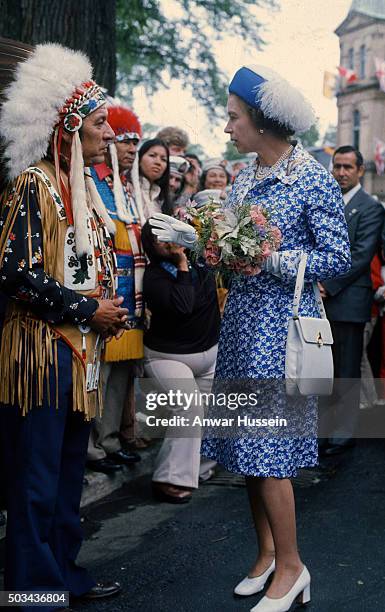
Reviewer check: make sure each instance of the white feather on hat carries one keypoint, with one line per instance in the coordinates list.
(280, 101)
(33, 100)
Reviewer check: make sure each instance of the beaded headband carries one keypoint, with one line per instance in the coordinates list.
(84, 101)
(127, 136)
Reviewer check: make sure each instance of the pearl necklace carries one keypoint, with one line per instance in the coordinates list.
(262, 172)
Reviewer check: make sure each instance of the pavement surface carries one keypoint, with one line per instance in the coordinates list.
(188, 558)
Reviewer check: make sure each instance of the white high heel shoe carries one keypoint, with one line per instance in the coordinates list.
(250, 586)
(300, 591)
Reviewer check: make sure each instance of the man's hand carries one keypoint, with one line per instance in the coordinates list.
(322, 290)
(109, 318)
(178, 255)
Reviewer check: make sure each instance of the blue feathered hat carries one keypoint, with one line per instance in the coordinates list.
(266, 90)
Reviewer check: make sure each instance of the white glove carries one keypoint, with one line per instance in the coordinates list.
(273, 264)
(168, 229)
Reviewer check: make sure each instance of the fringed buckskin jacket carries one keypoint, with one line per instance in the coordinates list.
(52, 293)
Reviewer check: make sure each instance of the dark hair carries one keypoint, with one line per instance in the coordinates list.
(164, 179)
(271, 125)
(204, 175)
(193, 156)
(149, 242)
(349, 149)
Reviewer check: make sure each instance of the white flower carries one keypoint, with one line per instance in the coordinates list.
(228, 226)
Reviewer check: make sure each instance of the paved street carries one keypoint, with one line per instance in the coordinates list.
(187, 559)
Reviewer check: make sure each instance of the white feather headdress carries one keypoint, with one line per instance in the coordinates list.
(51, 91)
(33, 100)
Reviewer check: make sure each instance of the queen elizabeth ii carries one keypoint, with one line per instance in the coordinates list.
(305, 202)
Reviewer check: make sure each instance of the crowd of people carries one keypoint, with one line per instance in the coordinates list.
(98, 289)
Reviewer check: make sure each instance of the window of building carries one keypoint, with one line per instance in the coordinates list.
(351, 59)
(356, 129)
(362, 61)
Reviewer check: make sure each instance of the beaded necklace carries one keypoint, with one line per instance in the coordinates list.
(262, 172)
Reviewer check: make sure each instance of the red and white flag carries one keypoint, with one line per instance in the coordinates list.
(380, 72)
(379, 156)
(348, 74)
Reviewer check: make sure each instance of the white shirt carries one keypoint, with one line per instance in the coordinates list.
(351, 193)
(150, 197)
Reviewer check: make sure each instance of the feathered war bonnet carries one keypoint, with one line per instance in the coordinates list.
(50, 90)
(266, 90)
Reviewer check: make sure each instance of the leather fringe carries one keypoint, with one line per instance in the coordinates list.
(27, 352)
(129, 346)
(81, 400)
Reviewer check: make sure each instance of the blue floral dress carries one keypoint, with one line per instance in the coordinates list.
(305, 202)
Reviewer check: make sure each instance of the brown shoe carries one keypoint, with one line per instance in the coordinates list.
(172, 494)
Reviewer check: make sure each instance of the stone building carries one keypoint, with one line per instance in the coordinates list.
(361, 105)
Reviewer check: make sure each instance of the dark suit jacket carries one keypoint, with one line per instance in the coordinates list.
(351, 295)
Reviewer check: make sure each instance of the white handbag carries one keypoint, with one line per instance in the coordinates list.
(309, 360)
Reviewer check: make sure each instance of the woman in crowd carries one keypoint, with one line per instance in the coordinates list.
(152, 185)
(214, 176)
(181, 343)
(179, 166)
(305, 203)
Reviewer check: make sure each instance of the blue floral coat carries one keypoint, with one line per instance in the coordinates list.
(305, 202)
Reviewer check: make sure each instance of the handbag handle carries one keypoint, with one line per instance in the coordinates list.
(299, 287)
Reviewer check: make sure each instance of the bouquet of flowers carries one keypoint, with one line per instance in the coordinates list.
(238, 240)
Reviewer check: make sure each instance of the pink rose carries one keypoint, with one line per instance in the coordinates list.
(276, 236)
(212, 254)
(242, 266)
(265, 249)
(257, 216)
(212, 260)
(250, 270)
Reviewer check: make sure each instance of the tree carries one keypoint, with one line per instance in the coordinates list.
(155, 40)
(231, 152)
(198, 150)
(149, 130)
(330, 137)
(85, 25)
(311, 137)
(155, 44)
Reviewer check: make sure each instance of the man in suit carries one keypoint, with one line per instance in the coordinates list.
(348, 298)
